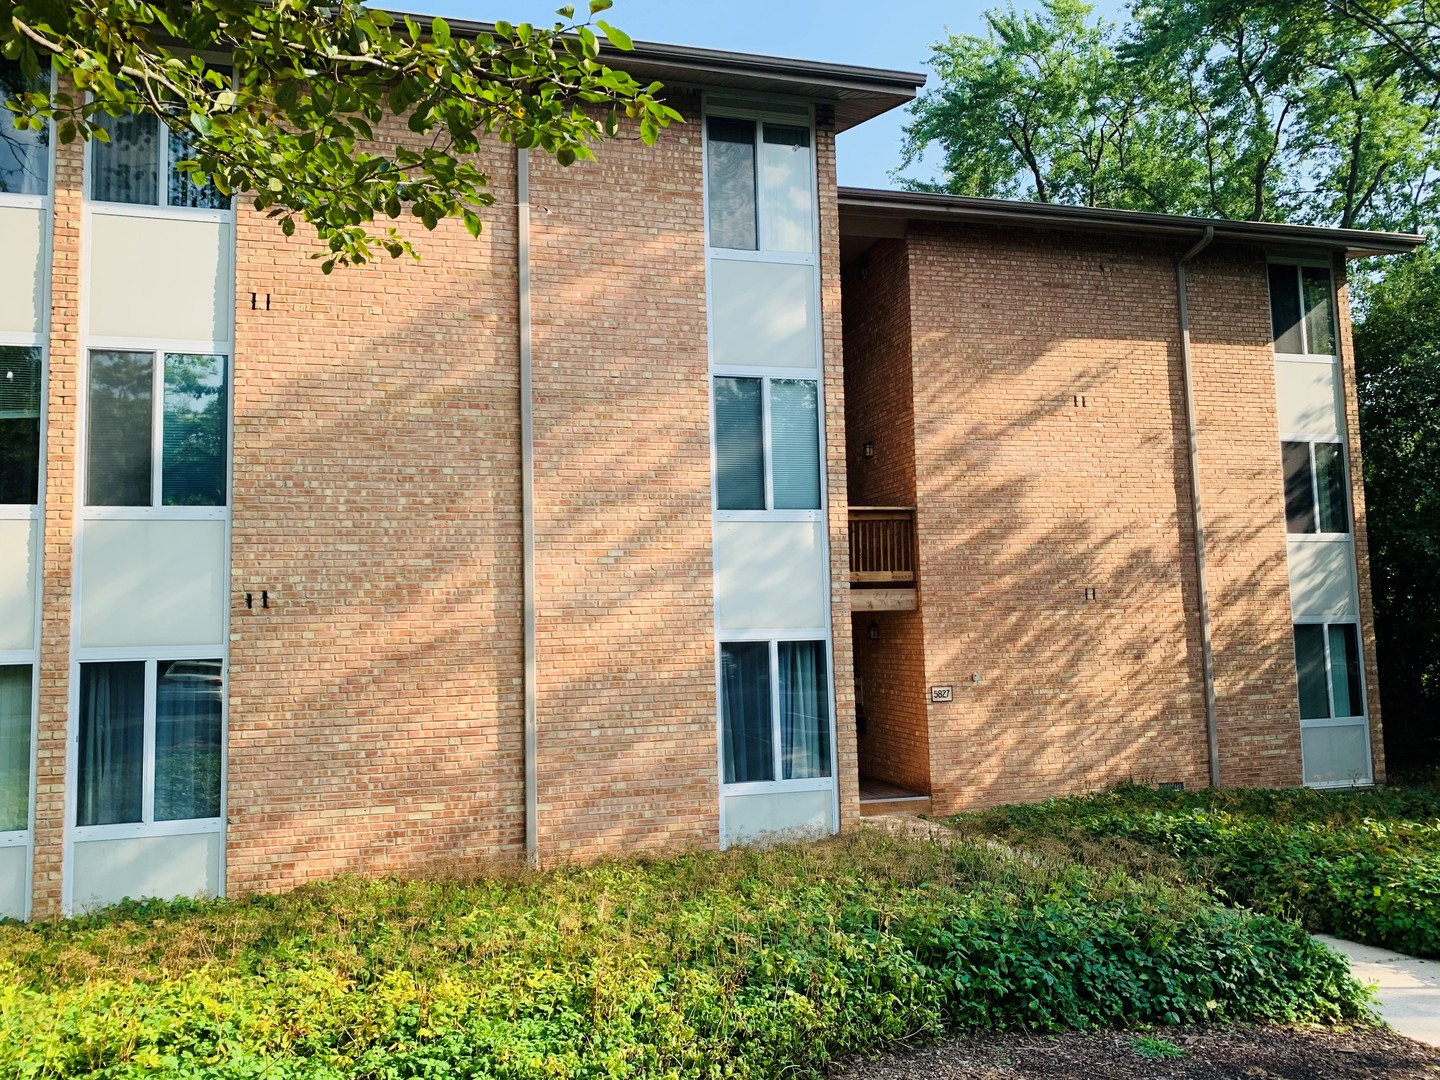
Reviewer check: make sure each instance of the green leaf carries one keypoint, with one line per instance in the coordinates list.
(597, 6)
(615, 35)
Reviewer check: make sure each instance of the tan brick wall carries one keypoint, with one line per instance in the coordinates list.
(376, 705)
(895, 743)
(1362, 538)
(627, 701)
(58, 536)
(1242, 489)
(1050, 454)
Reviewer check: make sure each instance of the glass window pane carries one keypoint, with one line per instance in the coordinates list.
(1330, 469)
(1310, 667)
(1285, 309)
(182, 190)
(124, 170)
(111, 766)
(804, 710)
(188, 696)
(749, 746)
(786, 169)
(15, 697)
(1319, 310)
(731, 152)
(1345, 671)
(119, 445)
(19, 425)
(1299, 491)
(24, 155)
(196, 405)
(739, 445)
(795, 444)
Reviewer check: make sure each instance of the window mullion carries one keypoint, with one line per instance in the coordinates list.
(1329, 677)
(157, 428)
(775, 724)
(147, 804)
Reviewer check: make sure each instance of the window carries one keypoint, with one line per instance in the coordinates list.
(1327, 657)
(767, 442)
(1315, 479)
(1302, 309)
(149, 741)
(138, 166)
(24, 155)
(128, 438)
(775, 707)
(15, 724)
(760, 185)
(20, 368)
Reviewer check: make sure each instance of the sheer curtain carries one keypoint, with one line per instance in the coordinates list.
(187, 739)
(111, 771)
(745, 707)
(804, 710)
(15, 697)
(127, 168)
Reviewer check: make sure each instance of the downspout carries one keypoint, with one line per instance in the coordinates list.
(1207, 651)
(527, 504)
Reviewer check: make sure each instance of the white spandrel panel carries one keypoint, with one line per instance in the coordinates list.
(779, 815)
(22, 283)
(1307, 399)
(14, 880)
(152, 583)
(18, 558)
(1322, 579)
(763, 314)
(163, 867)
(770, 575)
(159, 278)
(1336, 754)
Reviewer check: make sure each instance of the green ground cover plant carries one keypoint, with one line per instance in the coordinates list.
(741, 964)
(1362, 865)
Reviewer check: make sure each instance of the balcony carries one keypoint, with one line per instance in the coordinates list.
(882, 558)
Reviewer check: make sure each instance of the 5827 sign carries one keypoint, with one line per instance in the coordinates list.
(939, 694)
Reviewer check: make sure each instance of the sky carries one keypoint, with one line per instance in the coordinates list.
(840, 31)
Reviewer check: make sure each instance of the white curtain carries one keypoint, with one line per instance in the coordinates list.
(804, 710)
(112, 743)
(127, 168)
(15, 698)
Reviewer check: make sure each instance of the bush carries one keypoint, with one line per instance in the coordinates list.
(708, 965)
(1362, 865)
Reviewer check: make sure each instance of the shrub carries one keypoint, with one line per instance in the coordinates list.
(1362, 865)
(708, 965)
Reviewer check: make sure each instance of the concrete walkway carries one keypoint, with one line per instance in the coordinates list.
(1408, 988)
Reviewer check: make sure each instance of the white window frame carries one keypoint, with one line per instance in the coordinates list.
(40, 202)
(147, 826)
(155, 511)
(1361, 721)
(773, 638)
(22, 837)
(769, 512)
(1311, 442)
(734, 108)
(1306, 357)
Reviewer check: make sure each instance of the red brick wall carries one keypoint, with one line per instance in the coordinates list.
(626, 646)
(1241, 486)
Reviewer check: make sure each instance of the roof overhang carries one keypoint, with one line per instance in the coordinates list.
(857, 93)
(875, 213)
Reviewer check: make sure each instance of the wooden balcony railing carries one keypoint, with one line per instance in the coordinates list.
(882, 545)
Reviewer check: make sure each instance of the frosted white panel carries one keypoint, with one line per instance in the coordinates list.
(1307, 399)
(1335, 755)
(14, 881)
(780, 815)
(164, 867)
(152, 583)
(160, 278)
(770, 575)
(763, 314)
(1322, 579)
(21, 283)
(18, 556)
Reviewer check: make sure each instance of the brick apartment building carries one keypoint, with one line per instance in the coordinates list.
(696, 500)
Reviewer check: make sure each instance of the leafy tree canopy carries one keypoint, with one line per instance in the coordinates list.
(281, 100)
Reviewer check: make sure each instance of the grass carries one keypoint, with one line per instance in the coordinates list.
(1363, 865)
(738, 964)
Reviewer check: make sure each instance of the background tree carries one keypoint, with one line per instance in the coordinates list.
(289, 117)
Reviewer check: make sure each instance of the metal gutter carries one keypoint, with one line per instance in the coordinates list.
(527, 507)
(859, 203)
(1192, 430)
